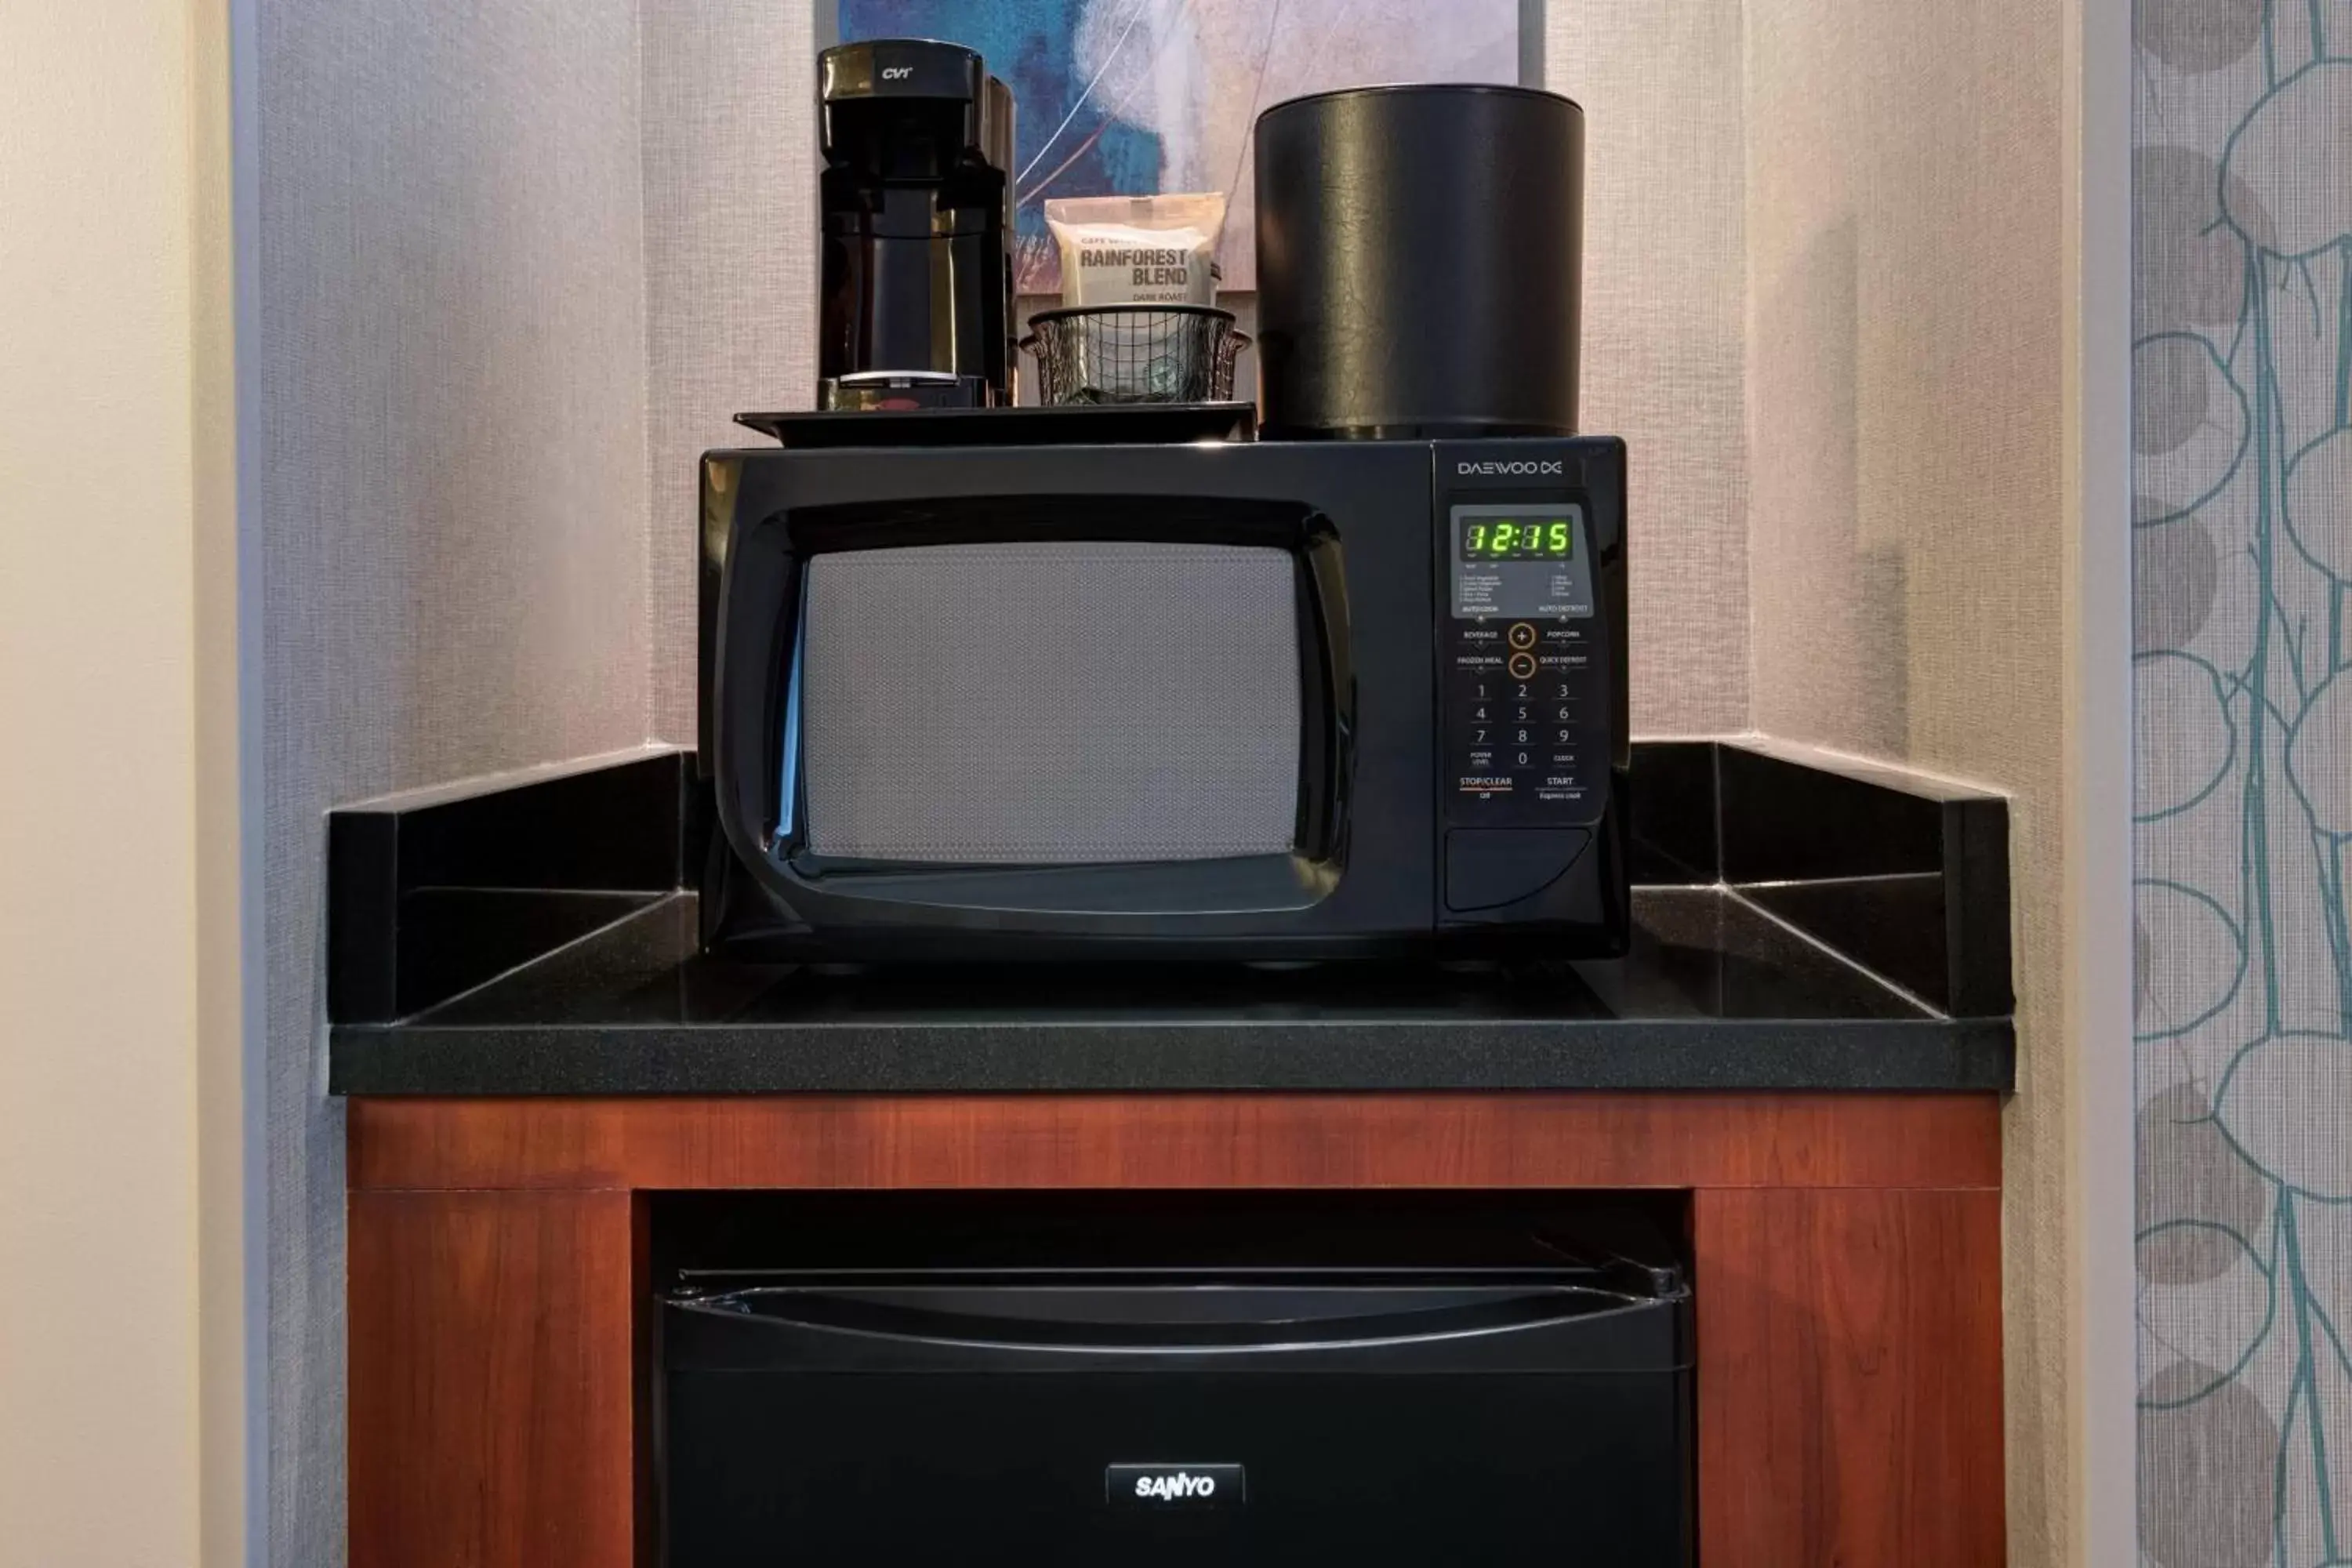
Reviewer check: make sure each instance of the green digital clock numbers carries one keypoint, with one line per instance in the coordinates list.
(1518, 539)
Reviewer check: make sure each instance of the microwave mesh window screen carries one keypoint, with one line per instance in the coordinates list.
(1052, 703)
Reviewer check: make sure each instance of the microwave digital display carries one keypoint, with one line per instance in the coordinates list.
(1520, 561)
(1538, 536)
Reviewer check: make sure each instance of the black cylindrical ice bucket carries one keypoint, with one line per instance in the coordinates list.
(1419, 261)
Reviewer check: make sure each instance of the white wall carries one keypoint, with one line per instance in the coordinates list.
(113, 311)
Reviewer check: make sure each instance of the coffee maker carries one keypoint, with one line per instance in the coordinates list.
(917, 194)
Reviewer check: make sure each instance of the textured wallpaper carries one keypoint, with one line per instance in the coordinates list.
(450, 518)
(2242, 567)
(730, 163)
(731, 276)
(1664, 356)
(1906, 413)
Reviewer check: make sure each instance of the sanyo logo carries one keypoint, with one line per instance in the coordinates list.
(1177, 1487)
(1521, 466)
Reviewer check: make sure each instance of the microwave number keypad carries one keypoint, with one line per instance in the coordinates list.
(1526, 737)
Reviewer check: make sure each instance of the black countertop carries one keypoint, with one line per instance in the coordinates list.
(1805, 924)
(1715, 996)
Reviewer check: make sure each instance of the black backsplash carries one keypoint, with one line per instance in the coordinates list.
(1908, 875)
(434, 892)
(1672, 825)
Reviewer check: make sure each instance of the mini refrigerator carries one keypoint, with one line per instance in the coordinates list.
(1120, 1382)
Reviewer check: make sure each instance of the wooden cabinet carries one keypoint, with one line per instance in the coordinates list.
(1846, 1251)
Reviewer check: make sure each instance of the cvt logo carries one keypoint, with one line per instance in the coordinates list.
(897, 73)
(1176, 1488)
(1521, 466)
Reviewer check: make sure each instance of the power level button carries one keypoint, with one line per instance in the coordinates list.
(1522, 666)
(1523, 636)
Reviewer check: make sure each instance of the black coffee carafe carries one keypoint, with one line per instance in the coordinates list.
(916, 198)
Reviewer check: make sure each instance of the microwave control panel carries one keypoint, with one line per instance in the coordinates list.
(1525, 670)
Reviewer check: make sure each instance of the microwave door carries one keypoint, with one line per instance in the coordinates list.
(1094, 718)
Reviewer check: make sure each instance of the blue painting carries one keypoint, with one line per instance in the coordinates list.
(1134, 96)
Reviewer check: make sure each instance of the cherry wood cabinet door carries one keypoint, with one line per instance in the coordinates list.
(1849, 1378)
(493, 1385)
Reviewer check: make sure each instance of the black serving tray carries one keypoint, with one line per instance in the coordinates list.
(1065, 425)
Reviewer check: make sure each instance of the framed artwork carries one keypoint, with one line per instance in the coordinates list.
(1135, 97)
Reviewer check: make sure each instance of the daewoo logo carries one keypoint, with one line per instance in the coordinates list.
(1176, 1488)
(1492, 469)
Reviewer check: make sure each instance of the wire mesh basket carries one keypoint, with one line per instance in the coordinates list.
(1135, 354)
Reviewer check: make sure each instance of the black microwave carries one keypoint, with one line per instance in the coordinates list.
(1217, 700)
